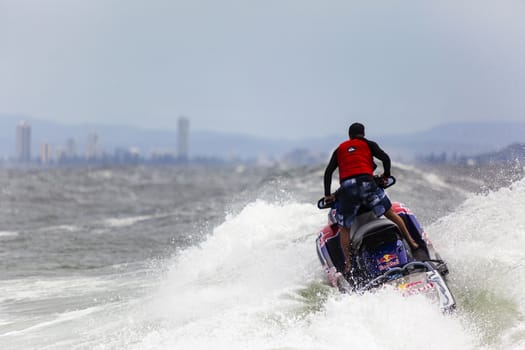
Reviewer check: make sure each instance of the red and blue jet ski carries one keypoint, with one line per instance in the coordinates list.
(381, 257)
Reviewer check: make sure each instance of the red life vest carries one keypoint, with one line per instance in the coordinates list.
(354, 158)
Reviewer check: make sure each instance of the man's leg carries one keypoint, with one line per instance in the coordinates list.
(349, 202)
(391, 215)
(344, 237)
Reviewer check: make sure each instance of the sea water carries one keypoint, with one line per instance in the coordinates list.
(224, 258)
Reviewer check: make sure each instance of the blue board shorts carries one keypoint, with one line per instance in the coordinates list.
(358, 191)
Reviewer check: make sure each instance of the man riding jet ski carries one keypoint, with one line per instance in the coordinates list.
(381, 257)
(355, 160)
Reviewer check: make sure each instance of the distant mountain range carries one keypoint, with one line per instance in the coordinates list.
(461, 138)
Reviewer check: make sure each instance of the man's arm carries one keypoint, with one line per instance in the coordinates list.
(381, 155)
(330, 168)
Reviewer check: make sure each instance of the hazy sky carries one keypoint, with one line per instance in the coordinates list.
(271, 68)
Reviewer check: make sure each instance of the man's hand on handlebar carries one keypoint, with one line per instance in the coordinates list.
(329, 199)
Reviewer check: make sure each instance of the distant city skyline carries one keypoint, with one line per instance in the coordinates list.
(273, 69)
(67, 144)
(52, 152)
(452, 153)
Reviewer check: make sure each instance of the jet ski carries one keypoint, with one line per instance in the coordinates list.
(381, 257)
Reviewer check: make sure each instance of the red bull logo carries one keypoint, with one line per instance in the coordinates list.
(386, 261)
(387, 258)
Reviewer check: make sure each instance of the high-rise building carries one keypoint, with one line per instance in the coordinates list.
(92, 146)
(183, 138)
(71, 148)
(45, 153)
(23, 142)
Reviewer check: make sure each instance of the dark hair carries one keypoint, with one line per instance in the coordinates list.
(356, 129)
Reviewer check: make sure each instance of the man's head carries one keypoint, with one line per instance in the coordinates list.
(356, 130)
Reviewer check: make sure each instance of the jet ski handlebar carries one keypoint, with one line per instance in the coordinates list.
(322, 204)
(385, 182)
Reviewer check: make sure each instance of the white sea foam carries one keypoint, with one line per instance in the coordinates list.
(484, 242)
(39, 288)
(53, 320)
(8, 234)
(65, 228)
(432, 178)
(123, 222)
(251, 285)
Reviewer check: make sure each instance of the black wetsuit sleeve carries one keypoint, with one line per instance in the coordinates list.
(381, 155)
(330, 168)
